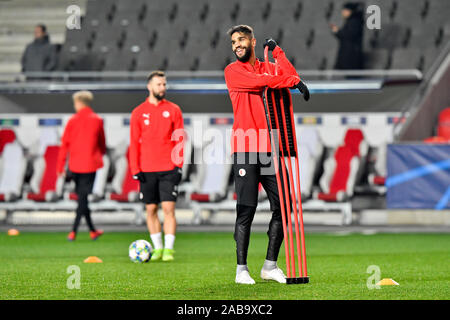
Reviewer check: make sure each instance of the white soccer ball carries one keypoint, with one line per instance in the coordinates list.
(140, 251)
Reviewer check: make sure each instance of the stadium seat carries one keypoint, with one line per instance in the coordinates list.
(13, 166)
(411, 58)
(47, 137)
(45, 184)
(411, 13)
(390, 36)
(307, 165)
(338, 180)
(126, 189)
(213, 175)
(377, 59)
(140, 40)
(6, 136)
(110, 25)
(310, 148)
(152, 61)
(354, 139)
(99, 13)
(378, 177)
(72, 56)
(125, 59)
(443, 129)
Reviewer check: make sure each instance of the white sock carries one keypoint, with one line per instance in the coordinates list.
(240, 268)
(157, 240)
(269, 265)
(169, 240)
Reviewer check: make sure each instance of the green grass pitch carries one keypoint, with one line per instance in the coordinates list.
(34, 266)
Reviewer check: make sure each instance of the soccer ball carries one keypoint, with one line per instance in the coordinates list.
(140, 251)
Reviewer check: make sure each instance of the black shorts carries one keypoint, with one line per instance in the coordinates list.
(249, 170)
(84, 182)
(160, 186)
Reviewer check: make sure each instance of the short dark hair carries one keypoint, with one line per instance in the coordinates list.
(157, 73)
(43, 27)
(242, 28)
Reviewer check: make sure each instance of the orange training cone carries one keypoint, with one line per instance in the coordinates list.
(93, 259)
(387, 282)
(13, 232)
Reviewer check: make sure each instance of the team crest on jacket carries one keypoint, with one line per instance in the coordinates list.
(166, 114)
(242, 172)
(146, 118)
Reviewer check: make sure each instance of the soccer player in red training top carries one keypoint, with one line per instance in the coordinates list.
(246, 79)
(84, 141)
(156, 159)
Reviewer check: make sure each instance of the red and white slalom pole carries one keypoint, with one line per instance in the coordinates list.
(280, 117)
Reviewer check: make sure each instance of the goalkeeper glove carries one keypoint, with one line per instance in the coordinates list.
(139, 176)
(303, 90)
(270, 43)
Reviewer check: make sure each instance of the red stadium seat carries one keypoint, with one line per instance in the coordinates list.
(340, 171)
(377, 180)
(436, 139)
(45, 183)
(354, 139)
(6, 136)
(443, 128)
(444, 124)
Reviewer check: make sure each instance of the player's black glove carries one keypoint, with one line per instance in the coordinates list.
(303, 90)
(272, 44)
(139, 176)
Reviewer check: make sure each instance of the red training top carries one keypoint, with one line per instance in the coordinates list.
(245, 85)
(84, 140)
(151, 142)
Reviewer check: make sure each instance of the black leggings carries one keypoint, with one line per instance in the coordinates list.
(244, 219)
(250, 169)
(83, 187)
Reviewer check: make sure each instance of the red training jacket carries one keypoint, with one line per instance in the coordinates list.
(84, 141)
(245, 85)
(151, 144)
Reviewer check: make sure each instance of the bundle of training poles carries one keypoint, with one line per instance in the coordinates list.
(281, 124)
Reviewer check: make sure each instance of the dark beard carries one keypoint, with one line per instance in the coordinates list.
(245, 57)
(159, 96)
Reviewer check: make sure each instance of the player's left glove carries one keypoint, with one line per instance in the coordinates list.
(303, 90)
(140, 177)
(272, 44)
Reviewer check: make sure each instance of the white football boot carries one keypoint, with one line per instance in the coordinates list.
(244, 277)
(274, 274)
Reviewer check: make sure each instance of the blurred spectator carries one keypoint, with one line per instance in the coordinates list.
(40, 55)
(350, 54)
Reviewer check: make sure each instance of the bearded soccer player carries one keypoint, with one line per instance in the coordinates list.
(246, 79)
(156, 159)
